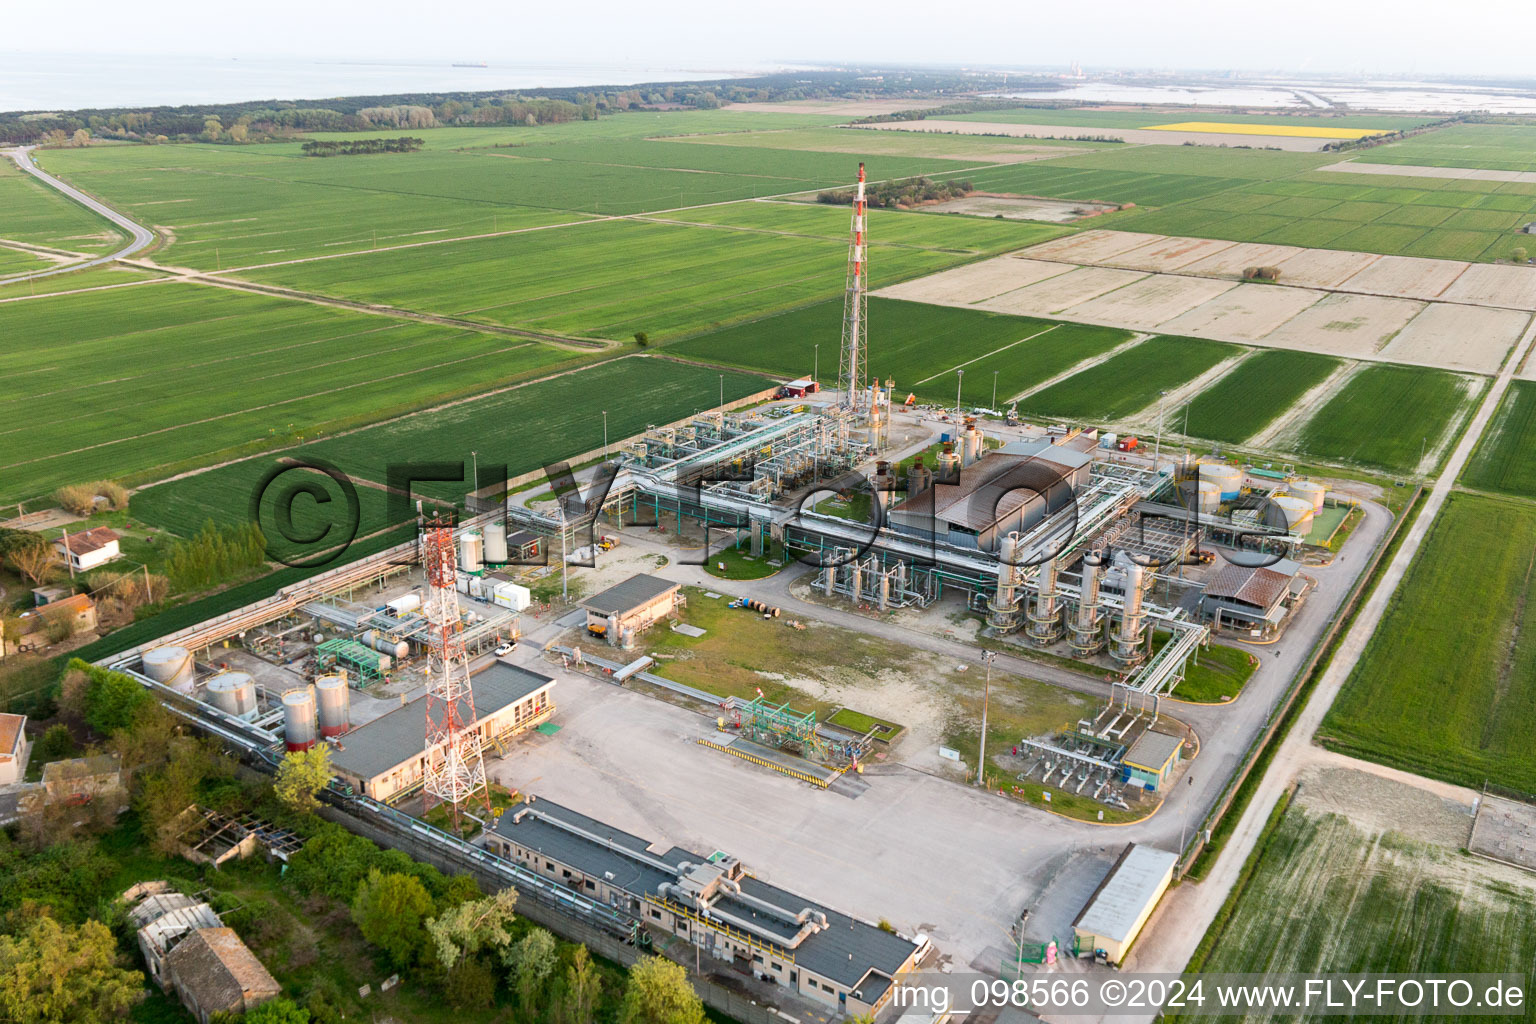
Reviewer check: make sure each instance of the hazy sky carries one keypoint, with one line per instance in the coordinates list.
(1412, 36)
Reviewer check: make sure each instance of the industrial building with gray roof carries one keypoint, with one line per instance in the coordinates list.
(714, 902)
(385, 757)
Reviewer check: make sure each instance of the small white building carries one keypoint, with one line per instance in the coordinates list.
(89, 548)
(14, 749)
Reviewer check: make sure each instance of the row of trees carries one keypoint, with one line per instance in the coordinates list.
(356, 147)
(216, 554)
(907, 192)
(259, 121)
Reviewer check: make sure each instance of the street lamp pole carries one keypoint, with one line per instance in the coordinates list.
(994, 389)
(1157, 448)
(981, 751)
(959, 378)
(605, 433)
(474, 483)
(816, 363)
(722, 391)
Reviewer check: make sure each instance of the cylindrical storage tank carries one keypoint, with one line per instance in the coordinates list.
(233, 693)
(299, 731)
(1207, 496)
(335, 704)
(496, 543)
(384, 645)
(171, 666)
(470, 551)
(404, 605)
(1310, 490)
(1297, 511)
(1229, 479)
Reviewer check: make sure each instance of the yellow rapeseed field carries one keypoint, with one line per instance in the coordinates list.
(1297, 131)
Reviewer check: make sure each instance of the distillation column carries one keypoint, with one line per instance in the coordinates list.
(1045, 615)
(1087, 632)
(1003, 608)
(1126, 648)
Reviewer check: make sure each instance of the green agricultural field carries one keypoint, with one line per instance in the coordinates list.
(232, 206)
(1486, 146)
(92, 277)
(1504, 461)
(1438, 694)
(1249, 398)
(34, 213)
(945, 231)
(1388, 417)
(1326, 895)
(865, 142)
(611, 279)
(522, 428)
(1129, 382)
(918, 345)
(166, 373)
(1074, 116)
(20, 261)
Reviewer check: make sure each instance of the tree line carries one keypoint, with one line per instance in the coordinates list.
(356, 147)
(216, 554)
(258, 121)
(906, 192)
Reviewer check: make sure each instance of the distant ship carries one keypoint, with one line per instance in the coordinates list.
(473, 64)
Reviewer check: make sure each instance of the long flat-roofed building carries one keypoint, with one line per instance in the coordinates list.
(715, 903)
(385, 758)
(1125, 899)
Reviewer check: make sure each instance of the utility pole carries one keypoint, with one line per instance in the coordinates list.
(959, 379)
(565, 565)
(981, 753)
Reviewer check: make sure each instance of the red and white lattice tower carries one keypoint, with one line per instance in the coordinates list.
(850, 367)
(455, 767)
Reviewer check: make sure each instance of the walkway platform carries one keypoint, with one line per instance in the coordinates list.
(775, 760)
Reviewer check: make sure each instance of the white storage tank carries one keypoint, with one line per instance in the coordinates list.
(384, 645)
(471, 551)
(335, 704)
(1228, 479)
(400, 607)
(299, 719)
(496, 544)
(233, 693)
(1310, 490)
(171, 666)
(1297, 512)
(1207, 497)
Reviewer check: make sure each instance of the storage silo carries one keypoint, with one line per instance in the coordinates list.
(1297, 512)
(1229, 479)
(335, 703)
(299, 719)
(496, 543)
(171, 666)
(1207, 497)
(1310, 490)
(471, 548)
(233, 693)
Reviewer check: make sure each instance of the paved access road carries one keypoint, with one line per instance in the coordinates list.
(140, 237)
